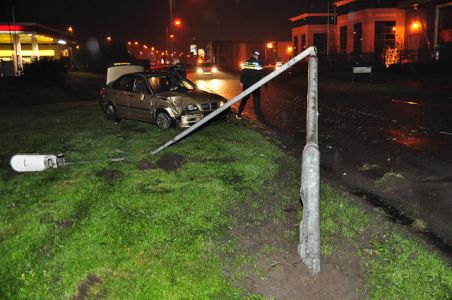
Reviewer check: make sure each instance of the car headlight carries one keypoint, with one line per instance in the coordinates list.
(199, 70)
(214, 70)
(191, 107)
(222, 102)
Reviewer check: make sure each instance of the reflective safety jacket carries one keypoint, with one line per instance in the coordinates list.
(252, 72)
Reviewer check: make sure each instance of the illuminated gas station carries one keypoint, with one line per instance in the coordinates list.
(23, 43)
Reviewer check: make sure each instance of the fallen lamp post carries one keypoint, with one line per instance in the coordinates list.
(309, 247)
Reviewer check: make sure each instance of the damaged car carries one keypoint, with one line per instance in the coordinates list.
(163, 98)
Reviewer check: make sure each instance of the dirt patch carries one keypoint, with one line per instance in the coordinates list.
(81, 211)
(110, 175)
(171, 162)
(222, 160)
(83, 289)
(231, 179)
(146, 165)
(277, 271)
(63, 224)
(288, 278)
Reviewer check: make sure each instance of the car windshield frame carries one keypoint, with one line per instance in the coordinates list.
(173, 82)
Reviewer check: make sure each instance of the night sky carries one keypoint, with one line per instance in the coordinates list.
(145, 21)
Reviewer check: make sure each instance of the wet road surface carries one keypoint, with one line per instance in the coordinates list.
(397, 151)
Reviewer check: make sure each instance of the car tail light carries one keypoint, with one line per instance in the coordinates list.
(102, 92)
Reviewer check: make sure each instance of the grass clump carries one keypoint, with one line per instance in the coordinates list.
(401, 268)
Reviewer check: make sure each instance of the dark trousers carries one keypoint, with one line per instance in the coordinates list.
(256, 102)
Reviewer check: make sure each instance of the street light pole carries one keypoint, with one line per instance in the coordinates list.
(171, 25)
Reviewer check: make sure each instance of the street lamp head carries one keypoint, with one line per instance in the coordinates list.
(415, 26)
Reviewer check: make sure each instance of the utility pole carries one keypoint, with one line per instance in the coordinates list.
(171, 26)
(328, 32)
(16, 42)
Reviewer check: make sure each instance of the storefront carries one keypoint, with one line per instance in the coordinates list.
(23, 43)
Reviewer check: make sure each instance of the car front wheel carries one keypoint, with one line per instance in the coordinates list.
(111, 114)
(163, 120)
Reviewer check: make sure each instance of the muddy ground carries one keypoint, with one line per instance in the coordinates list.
(278, 271)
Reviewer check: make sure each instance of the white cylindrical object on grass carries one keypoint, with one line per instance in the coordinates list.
(33, 162)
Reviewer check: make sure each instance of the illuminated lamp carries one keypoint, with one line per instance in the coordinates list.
(289, 49)
(415, 26)
(394, 28)
(61, 42)
(270, 45)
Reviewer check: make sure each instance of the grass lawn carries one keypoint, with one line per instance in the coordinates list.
(157, 227)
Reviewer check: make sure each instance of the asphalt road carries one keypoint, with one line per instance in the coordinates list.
(394, 152)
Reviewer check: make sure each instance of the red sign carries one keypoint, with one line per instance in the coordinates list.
(11, 27)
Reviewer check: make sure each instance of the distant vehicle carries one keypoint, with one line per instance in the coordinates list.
(206, 68)
(164, 98)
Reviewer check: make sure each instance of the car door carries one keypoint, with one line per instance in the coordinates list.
(159, 84)
(140, 100)
(120, 93)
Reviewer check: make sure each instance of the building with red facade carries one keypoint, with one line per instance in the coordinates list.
(378, 31)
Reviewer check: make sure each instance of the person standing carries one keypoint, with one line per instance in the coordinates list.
(252, 72)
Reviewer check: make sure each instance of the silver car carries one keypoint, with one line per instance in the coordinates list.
(163, 98)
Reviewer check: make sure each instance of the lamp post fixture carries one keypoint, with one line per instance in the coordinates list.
(171, 26)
